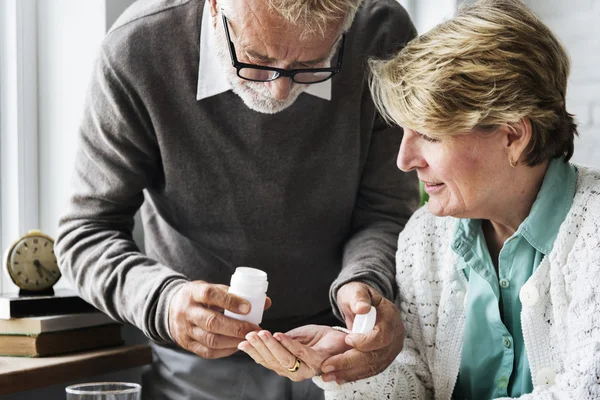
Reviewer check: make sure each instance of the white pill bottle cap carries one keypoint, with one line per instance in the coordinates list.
(250, 284)
(364, 323)
(250, 281)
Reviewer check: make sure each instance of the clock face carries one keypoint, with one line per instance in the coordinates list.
(32, 264)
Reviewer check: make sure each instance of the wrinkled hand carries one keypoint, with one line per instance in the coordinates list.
(311, 344)
(197, 324)
(372, 352)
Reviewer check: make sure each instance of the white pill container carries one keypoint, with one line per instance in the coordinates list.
(250, 284)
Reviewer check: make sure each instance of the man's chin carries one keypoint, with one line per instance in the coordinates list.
(266, 107)
(258, 102)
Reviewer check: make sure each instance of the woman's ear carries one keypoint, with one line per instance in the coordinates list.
(517, 138)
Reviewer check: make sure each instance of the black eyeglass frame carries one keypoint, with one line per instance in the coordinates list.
(290, 73)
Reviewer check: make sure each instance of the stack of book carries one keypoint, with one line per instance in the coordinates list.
(38, 326)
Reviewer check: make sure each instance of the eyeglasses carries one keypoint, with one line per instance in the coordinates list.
(259, 73)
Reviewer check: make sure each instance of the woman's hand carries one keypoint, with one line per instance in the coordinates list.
(311, 344)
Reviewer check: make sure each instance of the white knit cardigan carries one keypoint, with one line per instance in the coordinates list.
(560, 316)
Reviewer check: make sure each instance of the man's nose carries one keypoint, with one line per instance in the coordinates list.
(280, 88)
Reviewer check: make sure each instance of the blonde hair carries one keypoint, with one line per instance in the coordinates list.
(315, 16)
(493, 64)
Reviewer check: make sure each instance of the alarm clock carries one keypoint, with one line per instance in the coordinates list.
(31, 263)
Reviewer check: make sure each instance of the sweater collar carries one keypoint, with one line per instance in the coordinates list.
(211, 76)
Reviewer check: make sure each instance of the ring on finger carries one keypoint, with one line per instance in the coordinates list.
(296, 366)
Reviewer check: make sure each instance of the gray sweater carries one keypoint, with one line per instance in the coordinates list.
(311, 195)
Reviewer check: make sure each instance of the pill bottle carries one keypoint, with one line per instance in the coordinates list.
(250, 284)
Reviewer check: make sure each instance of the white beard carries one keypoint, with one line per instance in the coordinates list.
(255, 95)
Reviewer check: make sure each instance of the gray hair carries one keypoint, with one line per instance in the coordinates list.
(313, 15)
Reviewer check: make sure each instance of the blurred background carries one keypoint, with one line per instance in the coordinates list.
(47, 49)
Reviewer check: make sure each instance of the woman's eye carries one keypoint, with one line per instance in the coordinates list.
(427, 138)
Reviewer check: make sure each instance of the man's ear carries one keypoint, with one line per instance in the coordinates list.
(517, 138)
(213, 7)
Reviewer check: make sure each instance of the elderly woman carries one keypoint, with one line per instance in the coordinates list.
(499, 275)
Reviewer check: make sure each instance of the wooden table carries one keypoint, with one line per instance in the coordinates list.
(18, 374)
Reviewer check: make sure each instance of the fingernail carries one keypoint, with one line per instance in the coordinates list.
(349, 341)
(328, 377)
(329, 368)
(277, 337)
(340, 382)
(244, 308)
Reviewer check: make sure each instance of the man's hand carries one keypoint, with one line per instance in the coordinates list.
(197, 324)
(310, 344)
(374, 351)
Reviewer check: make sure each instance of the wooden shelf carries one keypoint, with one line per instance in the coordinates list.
(18, 374)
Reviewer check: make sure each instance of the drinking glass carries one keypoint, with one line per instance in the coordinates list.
(104, 391)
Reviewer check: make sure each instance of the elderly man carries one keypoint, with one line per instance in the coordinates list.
(246, 133)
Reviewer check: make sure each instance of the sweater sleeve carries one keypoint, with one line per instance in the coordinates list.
(409, 377)
(116, 159)
(397, 381)
(386, 200)
(387, 197)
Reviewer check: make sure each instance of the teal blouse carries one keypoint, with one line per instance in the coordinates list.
(494, 359)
